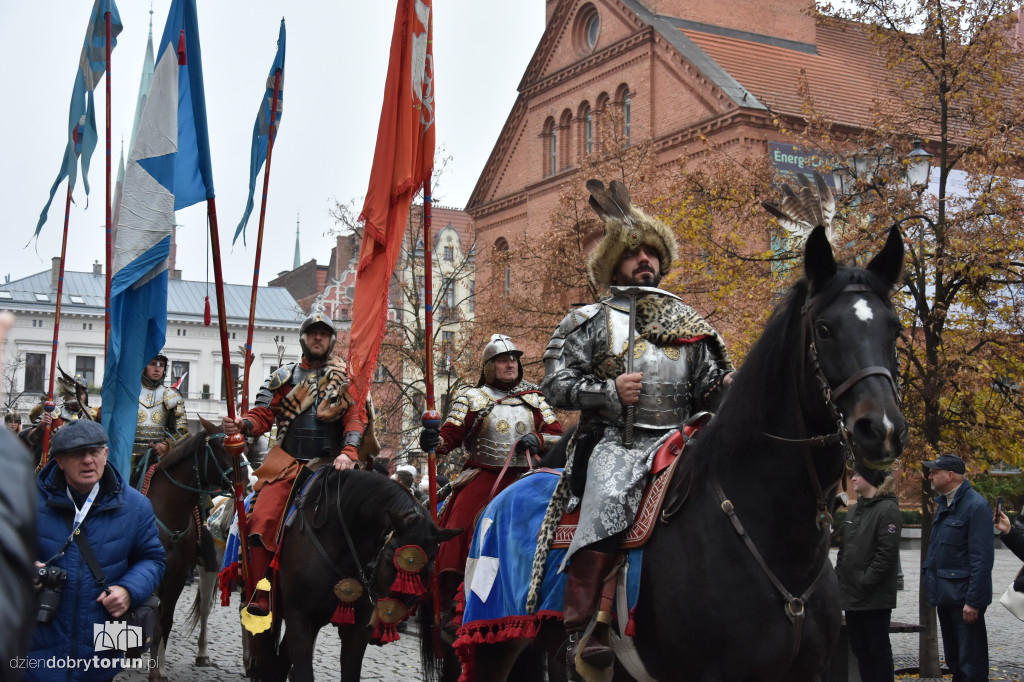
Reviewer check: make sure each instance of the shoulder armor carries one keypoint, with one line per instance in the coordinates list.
(459, 409)
(569, 324)
(172, 398)
(477, 399)
(538, 402)
(280, 376)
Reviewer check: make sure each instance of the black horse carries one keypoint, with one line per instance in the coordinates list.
(737, 584)
(348, 525)
(197, 465)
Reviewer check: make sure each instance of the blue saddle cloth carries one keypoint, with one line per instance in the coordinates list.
(500, 564)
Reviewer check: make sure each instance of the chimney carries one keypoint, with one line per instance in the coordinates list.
(55, 271)
(97, 269)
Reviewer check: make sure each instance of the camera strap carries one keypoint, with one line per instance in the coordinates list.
(90, 558)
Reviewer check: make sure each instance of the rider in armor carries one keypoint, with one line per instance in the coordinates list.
(679, 369)
(500, 423)
(73, 393)
(309, 402)
(162, 422)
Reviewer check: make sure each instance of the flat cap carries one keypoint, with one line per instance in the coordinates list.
(78, 434)
(948, 463)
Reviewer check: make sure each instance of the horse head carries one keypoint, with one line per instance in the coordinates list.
(404, 564)
(850, 332)
(215, 465)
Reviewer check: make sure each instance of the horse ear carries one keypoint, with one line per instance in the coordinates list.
(888, 263)
(819, 263)
(446, 534)
(209, 426)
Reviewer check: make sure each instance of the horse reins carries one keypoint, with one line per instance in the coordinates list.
(796, 606)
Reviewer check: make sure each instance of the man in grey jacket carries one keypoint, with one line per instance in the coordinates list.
(867, 568)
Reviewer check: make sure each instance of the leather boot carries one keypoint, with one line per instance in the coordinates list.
(259, 559)
(588, 573)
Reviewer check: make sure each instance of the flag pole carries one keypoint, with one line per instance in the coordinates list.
(49, 404)
(109, 236)
(259, 242)
(431, 417)
(234, 443)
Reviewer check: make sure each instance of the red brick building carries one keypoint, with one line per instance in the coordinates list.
(672, 71)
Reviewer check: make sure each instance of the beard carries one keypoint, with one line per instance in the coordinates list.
(643, 278)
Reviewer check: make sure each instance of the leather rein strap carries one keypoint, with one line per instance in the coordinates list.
(796, 607)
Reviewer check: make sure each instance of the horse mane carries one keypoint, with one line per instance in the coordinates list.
(184, 448)
(368, 489)
(769, 370)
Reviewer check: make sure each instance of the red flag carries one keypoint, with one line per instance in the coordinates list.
(401, 164)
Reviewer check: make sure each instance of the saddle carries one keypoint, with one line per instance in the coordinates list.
(662, 471)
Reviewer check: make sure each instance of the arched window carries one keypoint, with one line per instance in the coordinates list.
(586, 120)
(624, 103)
(551, 147)
(565, 153)
(501, 245)
(600, 117)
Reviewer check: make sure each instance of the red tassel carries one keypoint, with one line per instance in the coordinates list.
(387, 635)
(225, 578)
(207, 318)
(631, 626)
(344, 614)
(408, 583)
(491, 638)
(275, 564)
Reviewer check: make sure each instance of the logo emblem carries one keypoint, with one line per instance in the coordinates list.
(116, 635)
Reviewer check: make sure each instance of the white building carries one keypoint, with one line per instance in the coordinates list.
(194, 350)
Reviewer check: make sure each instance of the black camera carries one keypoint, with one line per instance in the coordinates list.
(52, 579)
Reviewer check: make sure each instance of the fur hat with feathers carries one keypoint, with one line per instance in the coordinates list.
(625, 228)
(803, 209)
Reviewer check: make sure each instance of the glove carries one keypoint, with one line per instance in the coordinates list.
(429, 440)
(528, 442)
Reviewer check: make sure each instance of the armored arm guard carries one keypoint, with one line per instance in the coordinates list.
(174, 404)
(454, 428)
(571, 380)
(550, 431)
(708, 371)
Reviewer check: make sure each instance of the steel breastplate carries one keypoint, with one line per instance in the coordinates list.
(152, 426)
(307, 436)
(664, 390)
(502, 426)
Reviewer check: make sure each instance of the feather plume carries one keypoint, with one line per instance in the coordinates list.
(803, 209)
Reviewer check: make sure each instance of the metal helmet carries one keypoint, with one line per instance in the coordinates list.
(317, 318)
(499, 345)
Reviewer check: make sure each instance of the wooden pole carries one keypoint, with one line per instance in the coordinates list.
(109, 233)
(259, 243)
(235, 443)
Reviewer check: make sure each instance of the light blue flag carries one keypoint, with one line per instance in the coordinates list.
(261, 131)
(91, 67)
(168, 168)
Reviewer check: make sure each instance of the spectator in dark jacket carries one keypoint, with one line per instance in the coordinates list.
(17, 552)
(78, 490)
(958, 569)
(1013, 538)
(867, 568)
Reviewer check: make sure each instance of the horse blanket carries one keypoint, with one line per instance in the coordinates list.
(500, 562)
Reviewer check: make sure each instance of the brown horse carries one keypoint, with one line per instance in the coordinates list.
(197, 465)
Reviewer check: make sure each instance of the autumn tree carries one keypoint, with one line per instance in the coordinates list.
(953, 80)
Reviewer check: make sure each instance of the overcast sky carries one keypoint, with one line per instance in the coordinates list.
(336, 63)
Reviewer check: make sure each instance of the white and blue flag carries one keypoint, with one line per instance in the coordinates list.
(82, 115)
(168, 169)
(261, 131)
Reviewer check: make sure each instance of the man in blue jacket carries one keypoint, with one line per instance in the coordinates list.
(958, 569)
(77, 490)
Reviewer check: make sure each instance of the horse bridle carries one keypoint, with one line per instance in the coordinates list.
(796, 606)
(176, 535)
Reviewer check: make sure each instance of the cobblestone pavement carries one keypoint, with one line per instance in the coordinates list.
(399, 661)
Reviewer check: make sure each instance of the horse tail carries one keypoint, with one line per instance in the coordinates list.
(432, 666)
(192, 620)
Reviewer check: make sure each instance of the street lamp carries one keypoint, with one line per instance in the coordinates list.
(918, 166)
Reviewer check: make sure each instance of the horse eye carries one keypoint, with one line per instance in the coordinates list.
(823, 330)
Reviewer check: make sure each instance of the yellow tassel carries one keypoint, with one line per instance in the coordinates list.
(263, 584)
(256, 624)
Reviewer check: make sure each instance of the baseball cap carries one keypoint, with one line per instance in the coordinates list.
(77, 435)
(948, 463)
